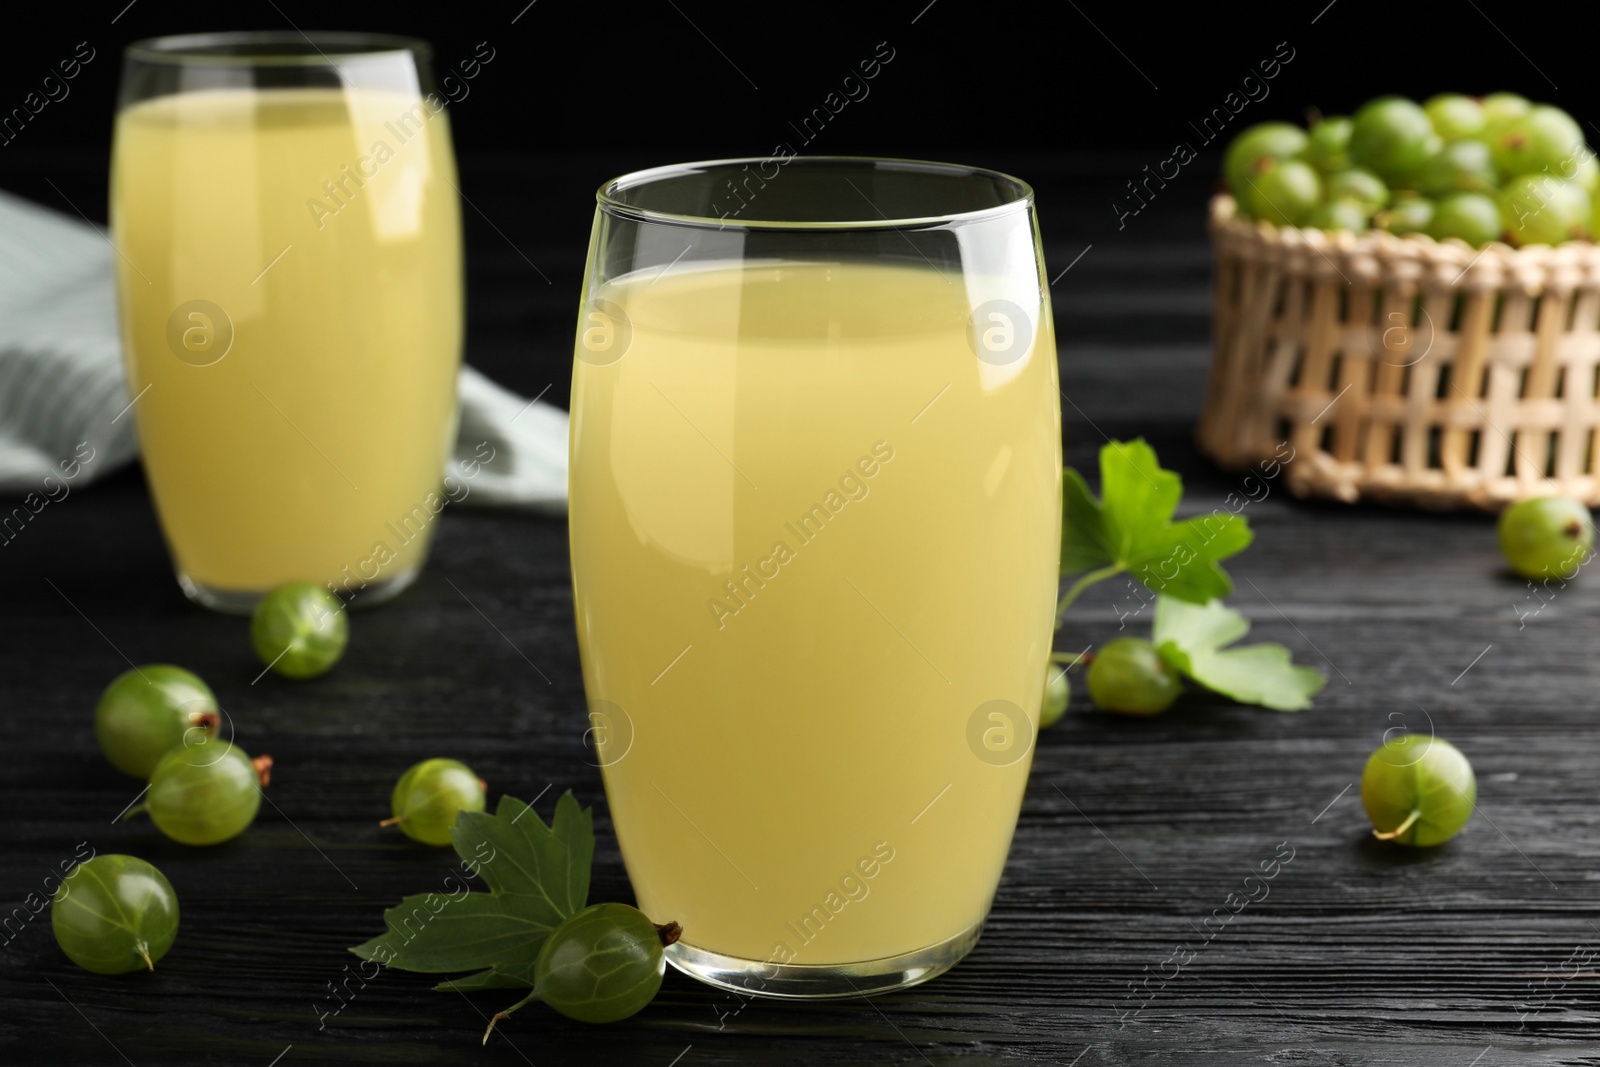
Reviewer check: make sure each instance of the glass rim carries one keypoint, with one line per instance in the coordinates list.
(316, 48)
(607, 195)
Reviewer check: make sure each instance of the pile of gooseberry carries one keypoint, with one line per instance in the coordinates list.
(118, 913)
(160, 722)
(1499, 168)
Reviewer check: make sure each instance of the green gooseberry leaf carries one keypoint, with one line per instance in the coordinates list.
(434, 933)
(538, 875)
(510, 976)
(1131, 527)
(551, 862)
(1192, 639)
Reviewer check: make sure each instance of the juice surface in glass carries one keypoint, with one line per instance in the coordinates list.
(290, 279)
(813, 539)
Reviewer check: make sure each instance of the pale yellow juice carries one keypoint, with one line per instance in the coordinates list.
(812, 536)
(322, 224)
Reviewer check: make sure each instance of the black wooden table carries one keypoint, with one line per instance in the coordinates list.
(1133, 833)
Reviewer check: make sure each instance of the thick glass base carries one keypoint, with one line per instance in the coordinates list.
(790, 981)
(241, 602)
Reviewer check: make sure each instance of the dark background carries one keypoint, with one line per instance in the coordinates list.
(968, 79)
(1075, 97)
(586, 88)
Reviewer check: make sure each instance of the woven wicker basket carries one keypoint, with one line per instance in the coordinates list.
(1403, 369)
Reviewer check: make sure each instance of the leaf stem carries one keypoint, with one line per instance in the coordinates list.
(1084, 582)
(1071, 659)
(507, 1013)
(1398, 831)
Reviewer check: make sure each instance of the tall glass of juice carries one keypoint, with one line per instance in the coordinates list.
(287, 235)
(815, 531)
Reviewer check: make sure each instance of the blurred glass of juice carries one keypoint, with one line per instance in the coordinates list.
(289, 272)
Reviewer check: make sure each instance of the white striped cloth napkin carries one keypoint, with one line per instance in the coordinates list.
(61, 379)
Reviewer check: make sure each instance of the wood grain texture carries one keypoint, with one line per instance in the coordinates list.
(1132, 833)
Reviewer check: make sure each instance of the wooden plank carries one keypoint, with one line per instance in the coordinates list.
(1132, 833)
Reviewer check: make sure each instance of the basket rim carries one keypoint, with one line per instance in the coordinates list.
(1497, 256)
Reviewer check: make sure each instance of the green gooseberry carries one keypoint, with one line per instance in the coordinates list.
(428, 796)
(1129, 676)
(115, 914)
(148, 711)
(1418, 790)
(205, 794)
(1057, 692)
(300, 630)
(1546, 537)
